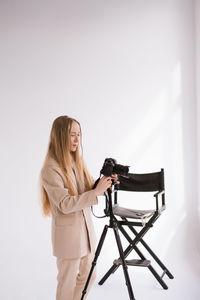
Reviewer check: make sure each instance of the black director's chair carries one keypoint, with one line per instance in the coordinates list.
(145, 219)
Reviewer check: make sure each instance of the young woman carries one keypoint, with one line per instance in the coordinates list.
(67, 196)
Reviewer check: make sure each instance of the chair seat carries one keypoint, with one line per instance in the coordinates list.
(131, 213)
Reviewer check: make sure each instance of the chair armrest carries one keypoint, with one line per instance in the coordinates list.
(157, 196)
(159, 193)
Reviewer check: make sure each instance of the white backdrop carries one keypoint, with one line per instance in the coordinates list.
(126, 71)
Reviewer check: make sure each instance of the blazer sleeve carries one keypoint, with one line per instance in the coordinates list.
(59, 195)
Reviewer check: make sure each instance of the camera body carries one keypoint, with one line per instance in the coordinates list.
(110, 167)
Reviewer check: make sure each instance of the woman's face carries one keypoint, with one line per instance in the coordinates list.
(74, 136)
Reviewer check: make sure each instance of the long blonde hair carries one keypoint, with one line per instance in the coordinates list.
(59, 150)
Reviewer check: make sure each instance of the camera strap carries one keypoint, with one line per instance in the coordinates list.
(99, 217)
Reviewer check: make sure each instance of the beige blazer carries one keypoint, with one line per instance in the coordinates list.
(73, 233)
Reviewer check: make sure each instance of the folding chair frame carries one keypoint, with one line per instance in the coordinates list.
(139, 238)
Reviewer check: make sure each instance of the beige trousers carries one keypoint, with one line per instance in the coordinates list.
(72, 276)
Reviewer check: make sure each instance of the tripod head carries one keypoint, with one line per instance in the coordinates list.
(108, 199)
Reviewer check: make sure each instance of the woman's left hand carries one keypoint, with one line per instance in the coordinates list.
(114, 176)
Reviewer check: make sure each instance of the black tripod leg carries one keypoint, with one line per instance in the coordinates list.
(125, 268)
(100, 244)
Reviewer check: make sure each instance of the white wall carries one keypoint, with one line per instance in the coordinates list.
(126, 71)
(197, 33)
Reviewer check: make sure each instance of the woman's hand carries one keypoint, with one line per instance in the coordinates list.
(114, 176)
(103, 184)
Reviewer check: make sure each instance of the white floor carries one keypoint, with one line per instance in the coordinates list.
(184, 286)
(39, 281)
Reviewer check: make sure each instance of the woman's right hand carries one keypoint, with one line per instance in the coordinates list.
(103, 184)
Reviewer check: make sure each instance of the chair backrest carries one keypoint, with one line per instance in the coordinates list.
(148, 182)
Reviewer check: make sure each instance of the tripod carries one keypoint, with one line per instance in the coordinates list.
(112, 224)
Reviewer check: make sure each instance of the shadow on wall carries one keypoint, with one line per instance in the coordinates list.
(166, 138)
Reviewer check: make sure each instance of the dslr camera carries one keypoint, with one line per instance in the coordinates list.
(110, 167)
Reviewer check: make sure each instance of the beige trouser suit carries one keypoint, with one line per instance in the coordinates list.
(73, 236)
